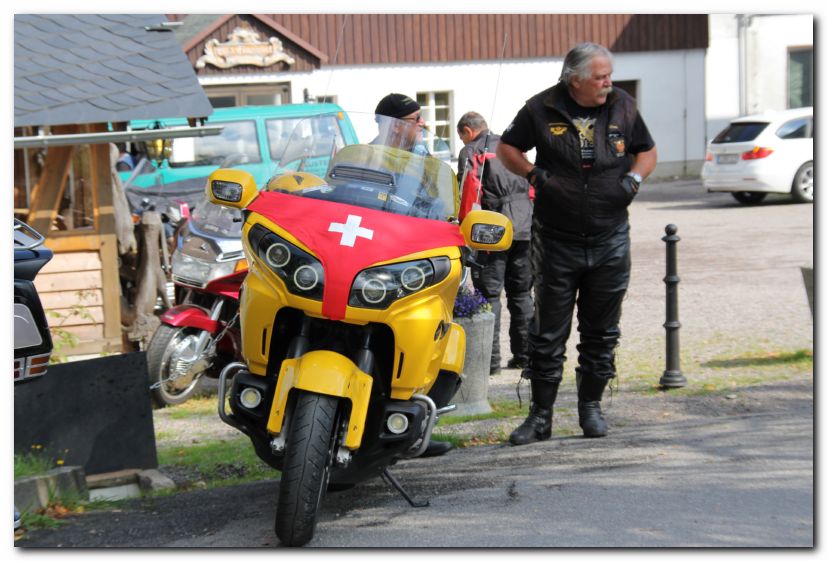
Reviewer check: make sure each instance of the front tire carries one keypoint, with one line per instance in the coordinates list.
(749, 197)
(307, 464)
(161, 354)
(802, 188)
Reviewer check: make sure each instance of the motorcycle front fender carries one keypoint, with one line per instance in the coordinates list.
(328, 373)
(190, 316)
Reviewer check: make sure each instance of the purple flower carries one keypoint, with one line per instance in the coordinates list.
(469, 304)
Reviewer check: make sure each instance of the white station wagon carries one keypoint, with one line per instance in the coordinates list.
(759, 154)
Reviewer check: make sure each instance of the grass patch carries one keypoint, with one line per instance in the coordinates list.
(502, 409)
(59, 508)
(216, 463)
(38, 461)
(724, 374)
(803, 357)
(196, 407)
(38, 520)
(27, 465)
(164, 435)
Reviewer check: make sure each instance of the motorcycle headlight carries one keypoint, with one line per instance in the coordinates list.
(192, 271)
(379, 287)
(301, 272)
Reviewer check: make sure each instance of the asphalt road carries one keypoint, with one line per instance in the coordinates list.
(729, 481)
(725, 480)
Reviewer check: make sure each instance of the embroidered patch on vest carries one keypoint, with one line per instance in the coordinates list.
(618, 142)
(558, 129)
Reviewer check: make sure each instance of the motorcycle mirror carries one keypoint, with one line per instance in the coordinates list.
(487, 230)
(231, 187)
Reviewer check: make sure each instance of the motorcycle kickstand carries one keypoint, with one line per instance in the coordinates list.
(393, 482)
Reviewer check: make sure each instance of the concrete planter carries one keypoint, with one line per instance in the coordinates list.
(472, 397)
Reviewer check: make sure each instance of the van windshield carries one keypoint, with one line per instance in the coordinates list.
(237, 139)
(279, 132)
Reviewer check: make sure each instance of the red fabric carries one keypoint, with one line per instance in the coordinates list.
(383, 236)
(472, 185)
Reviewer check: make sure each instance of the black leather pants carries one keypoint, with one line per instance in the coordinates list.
(510, 270)
(591, 272)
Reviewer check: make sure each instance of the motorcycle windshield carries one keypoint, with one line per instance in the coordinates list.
(395, 168)
(218, 220)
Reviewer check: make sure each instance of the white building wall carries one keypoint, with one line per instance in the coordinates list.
(768, 42)
(746, 66)
(670, 93)
(722, 75)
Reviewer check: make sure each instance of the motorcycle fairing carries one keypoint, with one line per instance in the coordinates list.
(453, 360)
(347, 239)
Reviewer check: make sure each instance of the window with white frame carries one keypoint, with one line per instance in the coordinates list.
(236, 96)
(800, 77)
(436, 110)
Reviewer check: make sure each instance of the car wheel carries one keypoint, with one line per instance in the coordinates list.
(802, 188)
(749, 197)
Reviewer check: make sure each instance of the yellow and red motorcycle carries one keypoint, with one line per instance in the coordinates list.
(350, 351)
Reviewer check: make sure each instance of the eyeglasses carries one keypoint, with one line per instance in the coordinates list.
(414, 118)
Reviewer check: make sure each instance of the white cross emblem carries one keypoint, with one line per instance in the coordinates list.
(351, 230)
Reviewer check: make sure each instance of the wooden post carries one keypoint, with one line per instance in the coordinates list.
(105, 222)
(46, 194)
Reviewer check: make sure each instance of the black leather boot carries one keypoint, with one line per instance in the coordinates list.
(537, 425)
(589, 393)
(436, 448)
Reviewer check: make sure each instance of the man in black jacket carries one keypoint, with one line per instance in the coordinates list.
(504, 192)
(593, 152)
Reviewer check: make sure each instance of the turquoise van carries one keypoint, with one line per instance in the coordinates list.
(253, 139)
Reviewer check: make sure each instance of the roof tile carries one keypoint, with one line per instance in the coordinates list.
(88, 68)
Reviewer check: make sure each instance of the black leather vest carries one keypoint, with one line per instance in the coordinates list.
(577, 200)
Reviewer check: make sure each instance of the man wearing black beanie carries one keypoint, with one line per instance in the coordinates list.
(398, 106)
(404, 128)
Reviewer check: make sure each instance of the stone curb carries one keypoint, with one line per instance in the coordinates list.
(32, 493)
(35, 492)
(154, 480)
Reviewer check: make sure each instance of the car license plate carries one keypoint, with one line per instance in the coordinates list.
(727, 158)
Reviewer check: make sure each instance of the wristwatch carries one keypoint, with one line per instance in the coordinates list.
(636, 176)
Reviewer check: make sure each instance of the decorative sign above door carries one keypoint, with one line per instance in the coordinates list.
(244, 46)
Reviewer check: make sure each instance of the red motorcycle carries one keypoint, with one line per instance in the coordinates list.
(199, 335)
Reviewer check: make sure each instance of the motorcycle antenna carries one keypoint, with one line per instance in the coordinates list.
(491, 116)
(336, 54)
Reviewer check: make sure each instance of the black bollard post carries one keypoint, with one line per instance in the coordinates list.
(672, 377)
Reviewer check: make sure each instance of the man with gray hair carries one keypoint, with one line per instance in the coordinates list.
(593, 152)
(505, 192)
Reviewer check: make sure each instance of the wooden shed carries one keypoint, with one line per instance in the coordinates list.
(78, 80)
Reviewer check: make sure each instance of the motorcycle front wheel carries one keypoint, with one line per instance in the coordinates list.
(170, 381)
(306, 470)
